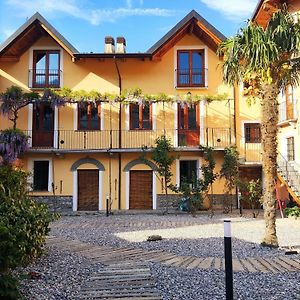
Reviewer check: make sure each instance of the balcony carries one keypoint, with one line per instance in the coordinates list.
(287, 112)
(250, 153)
(71, 140)
(44, 78)
(191, 78)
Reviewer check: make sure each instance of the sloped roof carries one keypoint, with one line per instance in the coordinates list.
(29, 32)
(38, 26)
(192, 22)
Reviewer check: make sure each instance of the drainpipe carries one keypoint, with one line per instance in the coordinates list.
(235, 96)
(120, 135)
(235, 99)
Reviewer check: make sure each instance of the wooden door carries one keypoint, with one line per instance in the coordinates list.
(43, 125)
(140, 194)
(88, 189)
(188, 126)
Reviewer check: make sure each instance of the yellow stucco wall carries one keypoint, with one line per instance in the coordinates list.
(62, 175)
(152, 77)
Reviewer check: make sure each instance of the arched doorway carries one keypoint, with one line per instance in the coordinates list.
(87, 185)
(140, 185)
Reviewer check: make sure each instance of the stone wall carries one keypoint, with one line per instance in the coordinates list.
(61, 204)
(219, 201)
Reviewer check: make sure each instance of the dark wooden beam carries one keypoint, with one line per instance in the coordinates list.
(9, 58)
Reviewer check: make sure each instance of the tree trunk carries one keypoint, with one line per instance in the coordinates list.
(166, 196)
(269, 157)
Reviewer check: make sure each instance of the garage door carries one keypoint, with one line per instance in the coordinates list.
(88, 189)
(140, 190)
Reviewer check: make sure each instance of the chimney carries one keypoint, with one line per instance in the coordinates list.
(109, 44)
(121, 45)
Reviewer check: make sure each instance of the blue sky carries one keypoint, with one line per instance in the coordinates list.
(85, 23)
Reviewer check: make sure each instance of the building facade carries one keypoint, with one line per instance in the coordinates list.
(289, 107)
(86, 152)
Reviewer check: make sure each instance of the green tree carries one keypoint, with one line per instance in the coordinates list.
(197, 191)
(12, 100)
(267, 59)
(251, 192)
(163, 161)
(230, 170)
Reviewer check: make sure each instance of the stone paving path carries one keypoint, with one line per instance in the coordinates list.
(109, 256)
(119, 280)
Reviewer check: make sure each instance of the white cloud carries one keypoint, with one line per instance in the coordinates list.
(100, 15)
(77, 9)
(232, 9)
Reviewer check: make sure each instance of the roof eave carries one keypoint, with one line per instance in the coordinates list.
(112, 55)
(256, 10)
(47, 26)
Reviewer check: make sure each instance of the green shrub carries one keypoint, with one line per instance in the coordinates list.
(24, 225)
(251, 193)
(9, 288)
(292, 212)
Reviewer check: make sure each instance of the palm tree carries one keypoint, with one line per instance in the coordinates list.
(267, 60)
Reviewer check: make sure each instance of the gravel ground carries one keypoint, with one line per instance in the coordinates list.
(61, 276)
(182, 284)
(185, 235)
(62, 272)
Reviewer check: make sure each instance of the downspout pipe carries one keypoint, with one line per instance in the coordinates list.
(235, 99)
(120, 135)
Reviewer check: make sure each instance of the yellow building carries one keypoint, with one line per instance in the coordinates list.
(89, 151)
(289, 107)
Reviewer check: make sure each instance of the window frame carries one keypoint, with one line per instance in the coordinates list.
(186, 117)
(290, 151)
(190, 52)
(47, 70)
(196, 169)
(89, 120)
(31, 178)
(289, 103)
(140, 117)
(249, 139)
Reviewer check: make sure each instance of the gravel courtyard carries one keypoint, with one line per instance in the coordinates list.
(63, 272)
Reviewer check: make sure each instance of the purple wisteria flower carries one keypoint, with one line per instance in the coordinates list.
(12, 144)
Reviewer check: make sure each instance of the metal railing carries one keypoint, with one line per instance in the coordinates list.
(250, 152)
(288, 111)
(134, 139)
(44, 78)
(290, 171)
(191, 77)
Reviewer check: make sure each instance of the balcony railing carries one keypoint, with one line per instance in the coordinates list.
(45, 78)
(133, 139)
(191, 77)
(250, 152)
(288, 111)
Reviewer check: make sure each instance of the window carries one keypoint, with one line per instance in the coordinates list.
(188, 117)
(188, 171)
(141, 116)
(46, 69)
(89, 116)
(289, 103)
(40, 175)
(252, 133)
(290, 148)
(190, 68)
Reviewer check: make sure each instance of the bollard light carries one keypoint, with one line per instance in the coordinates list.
(228, 260)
